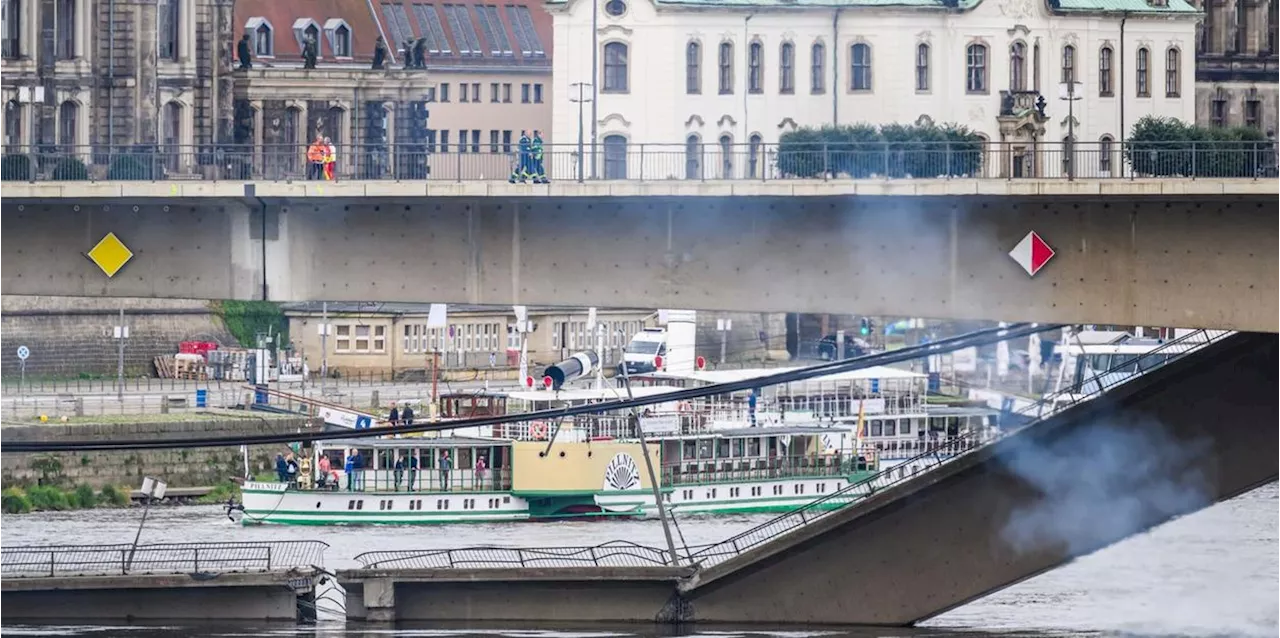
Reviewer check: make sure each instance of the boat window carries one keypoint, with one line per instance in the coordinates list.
(464, 459)
(904, 426)
(722, 448)
(705, 450)
(877, 427)
(690, 450)
(739, 447)
(753, 446)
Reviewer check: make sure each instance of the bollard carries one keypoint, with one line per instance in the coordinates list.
(79, 406)
(373, 401)
(164, 404)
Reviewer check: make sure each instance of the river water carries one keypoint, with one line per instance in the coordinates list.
(1213, 573)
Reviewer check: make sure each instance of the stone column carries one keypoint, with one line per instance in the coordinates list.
(380, 598)
(145, 123)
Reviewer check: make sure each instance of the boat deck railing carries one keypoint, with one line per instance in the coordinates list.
(162, 558)
(695, 472)
(420, 480)
(622, 553)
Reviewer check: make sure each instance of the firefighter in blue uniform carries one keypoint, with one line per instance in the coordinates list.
(521, 171)
(539, 171)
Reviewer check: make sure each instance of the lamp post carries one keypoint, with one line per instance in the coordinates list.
(595, 73)
(1070, 91)
(582, 98)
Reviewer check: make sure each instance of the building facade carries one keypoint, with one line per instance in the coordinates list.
(96, 78)
(82, 75)
(717, 76)
(1236, 64)
(486, 78)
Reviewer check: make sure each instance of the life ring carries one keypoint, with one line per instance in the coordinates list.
(538, 430)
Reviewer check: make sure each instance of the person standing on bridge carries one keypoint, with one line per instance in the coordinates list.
(524, 154)
(315, 158)
(535, 161)
(330, 159)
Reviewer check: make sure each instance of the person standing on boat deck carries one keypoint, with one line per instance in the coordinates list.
(350, 469)
(358, 465)
(480, 470)
(282, 468)
(322, 473)
(399, 473)
(413, 470)
(446, 464)
(406, 417)
(395, 415)
(291, 468)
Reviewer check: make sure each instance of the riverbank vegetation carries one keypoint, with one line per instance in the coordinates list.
(48, 498)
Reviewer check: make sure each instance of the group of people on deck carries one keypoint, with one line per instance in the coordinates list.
(354, 467)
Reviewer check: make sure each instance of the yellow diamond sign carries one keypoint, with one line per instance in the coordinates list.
(110, 254)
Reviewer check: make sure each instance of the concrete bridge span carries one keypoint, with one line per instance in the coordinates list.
(1159, 252)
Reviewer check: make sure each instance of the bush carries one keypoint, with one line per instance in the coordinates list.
(245, 319)
(893, 150)
(44, 497)
(83, 498)
(111, 495)
(15, 168)
(1169, 147)
(14, 501)
(129, 167)
(70, 169)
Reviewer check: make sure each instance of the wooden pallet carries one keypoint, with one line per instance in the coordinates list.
(165, 368)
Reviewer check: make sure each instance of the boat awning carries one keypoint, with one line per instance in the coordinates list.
(589, 395)
(415, 443)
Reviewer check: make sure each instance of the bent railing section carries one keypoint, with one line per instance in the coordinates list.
(163, 558)
(626, 554)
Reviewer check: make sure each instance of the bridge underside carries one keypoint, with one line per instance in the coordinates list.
(1199, 261)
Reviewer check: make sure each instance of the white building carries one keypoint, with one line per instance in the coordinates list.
(742, 72)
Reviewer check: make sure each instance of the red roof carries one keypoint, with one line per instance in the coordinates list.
(480, 33)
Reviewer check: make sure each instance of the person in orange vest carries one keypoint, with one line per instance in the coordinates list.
(316, 154)
(330, 159)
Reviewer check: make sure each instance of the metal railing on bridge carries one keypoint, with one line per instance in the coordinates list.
(623, 553)
(620, 160)
(162, 558)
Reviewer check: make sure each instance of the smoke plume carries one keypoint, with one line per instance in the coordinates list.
(1102, 483)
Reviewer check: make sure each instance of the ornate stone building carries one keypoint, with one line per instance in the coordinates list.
(95, 78)
(1236, 64)
(89, 75)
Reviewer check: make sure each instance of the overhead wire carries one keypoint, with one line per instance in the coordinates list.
(976, 338)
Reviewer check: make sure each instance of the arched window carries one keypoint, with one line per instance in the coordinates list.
(1144, 72)
(1018, 66)
(1104, 155)
(726, 68)
(171, 134)
(693, 157)
(615, 68)
(1105, 73)
(755, 68)
(787, 68)
(922, 67)
(263, 42)
(1068, 64)
(753, 157)
(860, 67)
(1171, 68)
(693, 68)
(615, 157)
(312, 31)
(976, 68)
(68, 125)
(817, 69)
(341, 41)
(726, 156)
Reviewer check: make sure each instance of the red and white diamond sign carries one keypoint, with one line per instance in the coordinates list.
(1032, 253)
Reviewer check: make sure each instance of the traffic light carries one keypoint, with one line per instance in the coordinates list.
(864, 327)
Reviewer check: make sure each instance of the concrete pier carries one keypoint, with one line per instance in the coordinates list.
(248, 596)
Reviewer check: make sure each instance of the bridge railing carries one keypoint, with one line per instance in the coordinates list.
(611, 554)
(624, 553)
(162, 558)
(952, 449)
(621, 160)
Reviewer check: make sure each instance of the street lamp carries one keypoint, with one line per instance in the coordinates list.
(1071, 91)
(582, 88)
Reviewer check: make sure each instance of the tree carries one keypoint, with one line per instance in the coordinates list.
(1169, 147)
(70, 169)
(893, 150)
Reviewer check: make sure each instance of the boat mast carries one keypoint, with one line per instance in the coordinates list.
(648, 462)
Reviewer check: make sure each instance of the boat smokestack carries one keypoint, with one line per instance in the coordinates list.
(579, 365)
